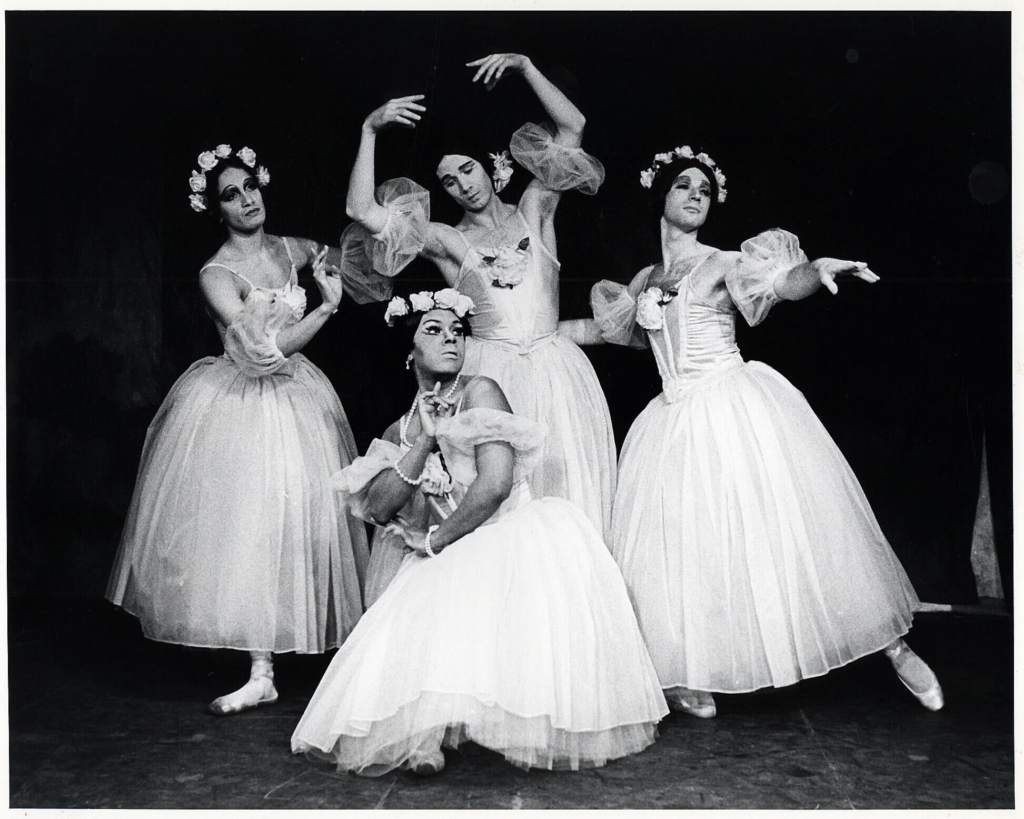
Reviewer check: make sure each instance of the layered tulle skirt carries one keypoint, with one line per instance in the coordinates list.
(233, 538)
(519, 637)
(749, 549)
(555, 383)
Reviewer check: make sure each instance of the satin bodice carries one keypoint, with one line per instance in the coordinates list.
(285, 305)
(521, 316)
(698, 334)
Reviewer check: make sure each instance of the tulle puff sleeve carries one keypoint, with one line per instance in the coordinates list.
(557, 167)
(373, 259)
(363, 284)
(354, 480)
(614, 307)
(459, 435)
(751, 282)
(251, 339)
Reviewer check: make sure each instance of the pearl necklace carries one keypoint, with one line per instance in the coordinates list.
(403, 426)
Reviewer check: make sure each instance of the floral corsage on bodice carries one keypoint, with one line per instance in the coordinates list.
(506, 265)
(650, 307)
(437, 485)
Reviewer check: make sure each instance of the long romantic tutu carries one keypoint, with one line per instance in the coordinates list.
(755, 559)
(233, 538)
(555, 384)
(519, 637)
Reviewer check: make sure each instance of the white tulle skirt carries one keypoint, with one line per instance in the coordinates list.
(555, 383)
(519, 637)
(233, 538)
(749, 549)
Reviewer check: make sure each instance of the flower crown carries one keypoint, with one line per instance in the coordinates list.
(502, 170)
(208, 160)
(686, 152)
(447, 299)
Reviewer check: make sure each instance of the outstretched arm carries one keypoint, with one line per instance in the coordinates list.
(582, 332)
(360, 203)
(801, 281)
(568, 119)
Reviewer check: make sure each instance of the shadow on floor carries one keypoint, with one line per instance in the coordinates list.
(99, 717)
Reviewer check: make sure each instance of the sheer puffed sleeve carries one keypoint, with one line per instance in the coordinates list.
(557, 167)
(369, 258)
(251, 339)
(353, 482)
(751, 282)
(614, 307)
(362, 283)
(459, 436)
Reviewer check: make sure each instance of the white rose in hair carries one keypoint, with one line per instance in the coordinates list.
(198, 202)
(248, 156)
(446, 299)
(262, 176)
(463, 305)
(664, 159)
(222, 151)
(422, 301)
(396, 307)
(207, 160)
(198, 182)
(648, 309)
(646, 178)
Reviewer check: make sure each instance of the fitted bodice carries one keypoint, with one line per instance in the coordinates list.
(513, 281)
(698, 333)
(282, 306)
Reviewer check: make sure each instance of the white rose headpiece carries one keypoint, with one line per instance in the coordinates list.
(208, 160)
(686, 152)
(447, 299)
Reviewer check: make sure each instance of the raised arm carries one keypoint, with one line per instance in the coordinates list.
(360, 203)
(801, 281)
(568, 119)
(493, 483)
(388, 493)
(220, 290)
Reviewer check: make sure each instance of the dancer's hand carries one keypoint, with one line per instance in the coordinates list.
(433, 406)
(415, 540)
(492, 67)
(831, 269)
(328, 280)
(403, 111)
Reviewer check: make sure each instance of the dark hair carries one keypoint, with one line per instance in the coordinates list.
(405, 328)
(663, 182)
(213, 176)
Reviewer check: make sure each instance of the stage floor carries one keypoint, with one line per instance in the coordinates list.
(99, 717)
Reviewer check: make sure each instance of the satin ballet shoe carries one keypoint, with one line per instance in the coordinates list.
(426, 763)
(915, 674)
(255, 693)
(695, 703)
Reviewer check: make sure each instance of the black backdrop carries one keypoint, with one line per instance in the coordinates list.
(876, 136)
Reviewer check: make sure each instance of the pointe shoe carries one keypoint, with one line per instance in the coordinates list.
(911, 668)
(258, 691)
(426, 763)
(695, 703)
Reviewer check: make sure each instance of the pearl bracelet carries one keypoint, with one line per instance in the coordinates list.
(426, 540)
(408, 480)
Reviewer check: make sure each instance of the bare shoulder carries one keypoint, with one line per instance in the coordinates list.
(304, 250)
(393, 433)
(482, 391)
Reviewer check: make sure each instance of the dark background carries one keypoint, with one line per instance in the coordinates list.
(882, 137)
